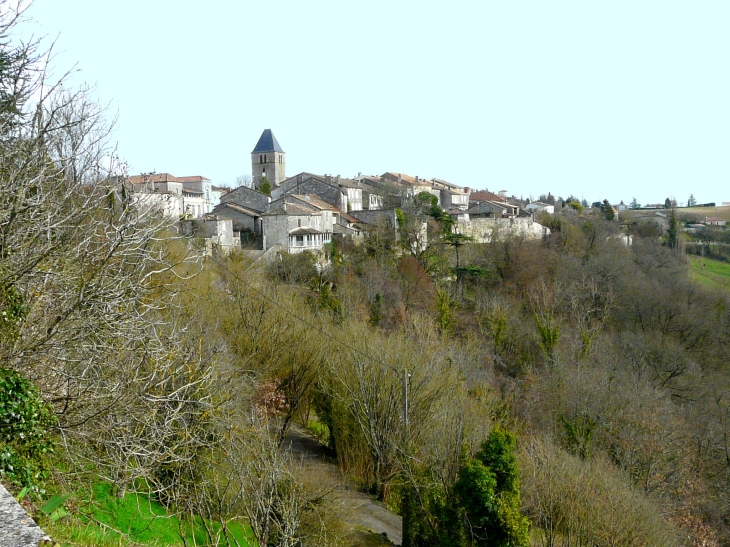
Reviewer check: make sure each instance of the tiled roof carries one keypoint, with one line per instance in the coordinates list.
(238, 208)
(314, 201)
(304, 175)
(154, 177)
(406, 178)
(267, 143)
(485, 207)
(292, 209)
(195, 178)
(485, 195)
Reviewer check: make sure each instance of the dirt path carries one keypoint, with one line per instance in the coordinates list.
(363, 512)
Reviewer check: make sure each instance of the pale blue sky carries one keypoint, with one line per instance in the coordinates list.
(613, 99)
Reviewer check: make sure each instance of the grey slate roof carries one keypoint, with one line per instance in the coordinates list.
(304, 230)
(267, 143)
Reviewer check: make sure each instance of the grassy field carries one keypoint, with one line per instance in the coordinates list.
(711, 273)
(721, 212)
(132, 520)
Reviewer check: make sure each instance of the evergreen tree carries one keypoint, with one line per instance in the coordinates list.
(264, 186)
(607, 210)
(691, 201)
(488, 490)
(634, 204)
(673, 230)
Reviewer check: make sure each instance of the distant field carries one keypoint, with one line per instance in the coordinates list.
(711, 273)
(721, 212)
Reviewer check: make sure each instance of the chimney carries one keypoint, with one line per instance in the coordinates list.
(359, 173)
(338, 179)
(299, 178)
(416, 179)
(328, 179)
(400, 177)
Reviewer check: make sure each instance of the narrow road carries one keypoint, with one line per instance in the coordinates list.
(364, 513)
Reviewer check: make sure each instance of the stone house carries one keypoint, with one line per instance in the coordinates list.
(385, 218)
(539, 206)
(243, 219)
(715, 221)
(477, 196)
(354, 192)
(307, 183)
(191, 197)
(409, 186)
(450, 195)
(295, 226)
(210, 234)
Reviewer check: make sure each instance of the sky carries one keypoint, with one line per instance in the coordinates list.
(613, 100)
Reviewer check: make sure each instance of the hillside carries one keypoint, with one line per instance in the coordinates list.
(568, 388)
(709, 272)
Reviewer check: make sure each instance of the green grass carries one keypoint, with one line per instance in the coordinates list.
(319, 430)
(107, 520)
(710, 273)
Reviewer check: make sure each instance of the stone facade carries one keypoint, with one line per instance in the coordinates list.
(272, 165)
(385, 218)
(214, 234)
(484, 230)
(244, 220)
(296, 228)
(305, 183)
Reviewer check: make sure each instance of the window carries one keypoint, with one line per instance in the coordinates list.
(261, 159)
(265, 158)
(299, 241)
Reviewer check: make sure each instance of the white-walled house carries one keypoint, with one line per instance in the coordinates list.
(538, 206)
(191, 197)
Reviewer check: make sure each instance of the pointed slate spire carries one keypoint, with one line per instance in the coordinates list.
(267, 143)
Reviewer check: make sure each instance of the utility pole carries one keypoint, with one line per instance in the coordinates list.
(407, 500)
(405, 403)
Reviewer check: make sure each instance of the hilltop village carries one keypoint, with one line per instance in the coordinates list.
(306, 211)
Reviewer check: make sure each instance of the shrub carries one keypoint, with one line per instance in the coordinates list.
(25, 420)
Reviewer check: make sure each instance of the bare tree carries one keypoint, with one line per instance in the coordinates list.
(244, 180)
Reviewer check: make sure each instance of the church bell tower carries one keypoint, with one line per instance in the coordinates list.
(268, 160)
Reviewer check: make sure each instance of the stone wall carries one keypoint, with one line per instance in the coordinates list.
(17, 529)
(483, 230)
(274, 167)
